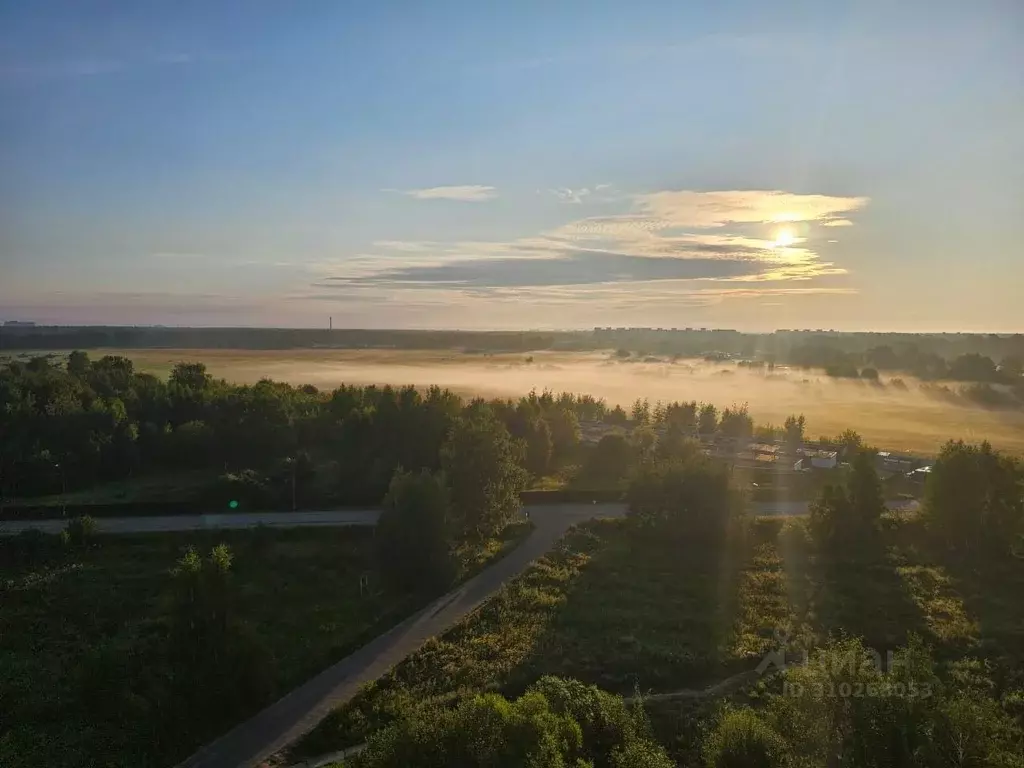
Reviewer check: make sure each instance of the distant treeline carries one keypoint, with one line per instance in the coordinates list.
(911, 352)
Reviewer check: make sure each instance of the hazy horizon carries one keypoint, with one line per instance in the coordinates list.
(851, 166)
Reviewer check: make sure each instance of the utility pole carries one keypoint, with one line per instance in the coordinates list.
(294, 462)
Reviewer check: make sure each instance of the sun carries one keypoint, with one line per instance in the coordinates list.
(784, 237)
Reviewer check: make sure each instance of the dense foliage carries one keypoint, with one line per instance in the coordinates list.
(849, 706)
(69, 426)
(974, 499)
(415, 533)
(555, 724)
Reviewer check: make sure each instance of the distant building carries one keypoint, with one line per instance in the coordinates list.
(818, 460)
(892, 462)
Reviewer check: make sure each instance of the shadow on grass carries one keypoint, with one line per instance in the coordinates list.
(478, 654)
(857, 589)
(991, 588)
(647, 612)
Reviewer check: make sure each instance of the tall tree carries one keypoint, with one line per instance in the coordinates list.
(481, 464)
(413, 536)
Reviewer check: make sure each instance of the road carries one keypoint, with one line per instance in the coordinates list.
(178, 523)
(304, 519)
(291, 717)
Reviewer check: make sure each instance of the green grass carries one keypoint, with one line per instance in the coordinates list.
(631, 612)
(611, 606)
(162, 486)
(299, 590)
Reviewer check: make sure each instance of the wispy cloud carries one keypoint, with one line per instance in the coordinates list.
(704, 210)
(597, 193)
(467, 193)
(665, 246)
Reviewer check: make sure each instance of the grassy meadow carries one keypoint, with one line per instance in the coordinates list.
(888, 416)
(70, 616)
(675, 622)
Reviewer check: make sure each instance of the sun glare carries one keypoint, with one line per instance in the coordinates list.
(784, 237)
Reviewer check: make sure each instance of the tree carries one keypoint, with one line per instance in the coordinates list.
(191, 376)
(481, 464)
(644, 442)
(870, 374)
(736, 423)
(793, 435)
(78, 364)
(611, 459)
(1012, 366)
(846, 517)
(974, 498)
(707, 419)
(554, 724)
(682, 415)
(565, 431)
(539, 447)
(413, 536)
(849, 442)
(219, 666)
(973, 367)
(690, 497)
(640, 413)
(616, 416)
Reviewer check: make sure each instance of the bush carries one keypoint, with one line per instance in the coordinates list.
(555, 724)
(741, 739)
(81, 531)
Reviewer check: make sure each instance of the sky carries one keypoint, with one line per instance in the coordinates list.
(855, 165)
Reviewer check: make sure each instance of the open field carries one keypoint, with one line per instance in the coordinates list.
(82, 634)
(886, 415)
(679, 619)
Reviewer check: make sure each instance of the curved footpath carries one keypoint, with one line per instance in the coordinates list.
(312, 519)
(285, 721)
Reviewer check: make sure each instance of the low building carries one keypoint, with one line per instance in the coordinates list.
(811, 459)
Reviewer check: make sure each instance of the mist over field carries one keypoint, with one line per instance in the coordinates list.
(888, 416)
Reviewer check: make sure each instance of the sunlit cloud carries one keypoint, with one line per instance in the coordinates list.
(705, 210)
(467, 193)
(697, 248)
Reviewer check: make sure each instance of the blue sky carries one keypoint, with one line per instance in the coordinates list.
(750, 165)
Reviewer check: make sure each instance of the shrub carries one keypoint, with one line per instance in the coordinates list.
(555, 724)
(81, 531)
(741, 739)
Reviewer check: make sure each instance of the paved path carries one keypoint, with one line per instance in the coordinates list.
(172, 523)
(297, 713)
